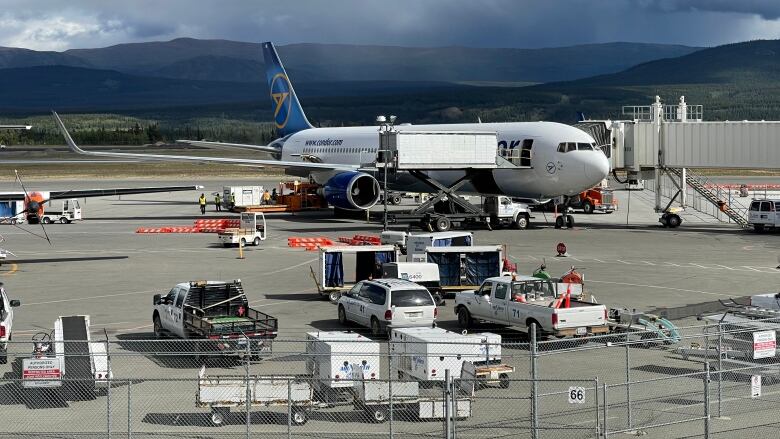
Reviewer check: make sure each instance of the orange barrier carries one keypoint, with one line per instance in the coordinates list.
(308, 243)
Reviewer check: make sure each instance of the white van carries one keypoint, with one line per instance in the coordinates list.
(383, 304)
(764, 214)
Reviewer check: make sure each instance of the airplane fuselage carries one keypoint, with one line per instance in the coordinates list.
(551, 172)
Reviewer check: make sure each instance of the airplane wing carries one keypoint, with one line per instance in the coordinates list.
(304, 166)
(259, 148)
(15, 127)
(87, 193)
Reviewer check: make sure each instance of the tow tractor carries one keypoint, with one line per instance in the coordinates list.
(69, 211)
(251, 230)
(67, 353)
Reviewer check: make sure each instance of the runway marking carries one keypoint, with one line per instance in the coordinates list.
(76, 299)
(660, 287)
(623, 262)
(12, 271)
(290, 267)
(647, 262)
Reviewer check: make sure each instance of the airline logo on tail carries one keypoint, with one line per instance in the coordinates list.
(288, 114)
(280, 94)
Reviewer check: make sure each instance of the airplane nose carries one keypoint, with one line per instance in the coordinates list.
(597, 168)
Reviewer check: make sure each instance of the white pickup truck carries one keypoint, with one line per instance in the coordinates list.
(6, 322)
(522, 301)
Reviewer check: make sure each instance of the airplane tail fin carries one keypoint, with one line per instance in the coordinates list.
(288, 114)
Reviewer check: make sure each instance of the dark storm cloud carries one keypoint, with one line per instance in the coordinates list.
(54, 24)
(766, 9)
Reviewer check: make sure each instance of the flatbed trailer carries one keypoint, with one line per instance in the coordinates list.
(221, 392)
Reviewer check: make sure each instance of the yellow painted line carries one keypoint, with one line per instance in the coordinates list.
(14, 268)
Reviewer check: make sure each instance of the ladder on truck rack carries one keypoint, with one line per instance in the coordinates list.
(733, 209)
(78, 362)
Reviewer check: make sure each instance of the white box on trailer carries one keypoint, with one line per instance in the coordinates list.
(425, 353)
(331, 357)
(442, 149)
(245, 195)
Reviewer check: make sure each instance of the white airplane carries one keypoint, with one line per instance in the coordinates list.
(546, 159)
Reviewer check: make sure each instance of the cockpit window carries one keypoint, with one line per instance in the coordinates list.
(571, 146)
(584, 147)
(561, 147)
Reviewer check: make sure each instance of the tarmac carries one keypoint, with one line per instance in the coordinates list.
(102, 268)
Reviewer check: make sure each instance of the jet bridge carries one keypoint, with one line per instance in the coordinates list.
(419, 152)
(660, 141)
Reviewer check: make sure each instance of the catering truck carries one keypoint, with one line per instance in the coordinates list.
(522, 301)
(215, 311)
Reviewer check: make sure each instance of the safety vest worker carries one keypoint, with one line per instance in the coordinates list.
(217, 203)
(202, 202)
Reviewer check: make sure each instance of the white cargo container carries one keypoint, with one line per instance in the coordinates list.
(332, 356)
(442, 149)
(245, 195)
(425, 353)
(416, 244)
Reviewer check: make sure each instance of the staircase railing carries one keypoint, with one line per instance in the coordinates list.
(730, 206)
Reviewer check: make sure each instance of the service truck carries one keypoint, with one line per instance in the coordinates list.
(66, 212)
(6, 322)
(596, 199)
(251, 230)
(504, 211)
(522, 301)
(216, 311)
(764, 214)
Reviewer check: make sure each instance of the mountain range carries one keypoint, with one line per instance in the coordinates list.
(430, 83)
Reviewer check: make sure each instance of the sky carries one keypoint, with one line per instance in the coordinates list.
(61, 25)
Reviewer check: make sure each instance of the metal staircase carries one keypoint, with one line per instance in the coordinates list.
(733, 209)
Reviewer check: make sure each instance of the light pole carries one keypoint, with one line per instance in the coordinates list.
(385, 128)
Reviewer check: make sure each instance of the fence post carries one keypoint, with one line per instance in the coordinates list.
(628, 385)
(534, 402)
(248, 404)
(707, 400)
(108, 391)
(720, 369)
(605, 412)
(390, 395)
(447, 412)
(596, 396)
(289, 408)
(129, 410)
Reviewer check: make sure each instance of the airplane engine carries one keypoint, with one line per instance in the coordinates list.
(33, 206)
(352, 191)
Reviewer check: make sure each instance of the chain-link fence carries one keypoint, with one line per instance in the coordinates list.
(717, 379)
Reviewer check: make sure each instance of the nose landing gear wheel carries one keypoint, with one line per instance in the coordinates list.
(559, 222)
(570, 221)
